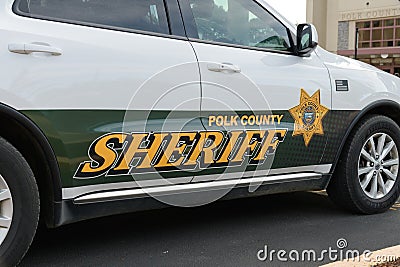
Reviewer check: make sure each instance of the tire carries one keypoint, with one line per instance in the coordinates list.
(366, 181)
(21, 205)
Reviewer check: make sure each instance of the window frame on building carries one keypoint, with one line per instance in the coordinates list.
(376, 32)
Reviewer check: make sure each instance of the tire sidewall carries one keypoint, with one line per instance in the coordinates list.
(20, 180)
(377, 124)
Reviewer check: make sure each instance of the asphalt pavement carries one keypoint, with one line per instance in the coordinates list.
(228, 233)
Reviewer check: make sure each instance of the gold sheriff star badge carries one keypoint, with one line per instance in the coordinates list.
(308, 116)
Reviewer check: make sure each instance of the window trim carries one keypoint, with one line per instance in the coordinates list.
(370, 42)
(174, 17)
(242, 47)
(188, 19)
(170, 35)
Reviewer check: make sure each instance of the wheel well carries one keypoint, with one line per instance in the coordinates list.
(27, 138)
(389, 109)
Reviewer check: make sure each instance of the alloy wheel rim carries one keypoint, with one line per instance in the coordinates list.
(6, 209)
(378, 166)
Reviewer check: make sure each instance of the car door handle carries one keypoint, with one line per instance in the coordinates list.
(27, 49)
(223, 67)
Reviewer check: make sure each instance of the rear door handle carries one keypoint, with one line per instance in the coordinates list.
(27, 49)
(223, 67)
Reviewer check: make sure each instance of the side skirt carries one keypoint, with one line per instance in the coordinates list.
(125, 201)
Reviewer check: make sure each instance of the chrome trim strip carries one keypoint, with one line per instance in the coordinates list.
(74, 192)
(323, 169)
(190, 188)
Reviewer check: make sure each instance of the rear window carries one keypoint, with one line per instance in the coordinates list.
(143, 15)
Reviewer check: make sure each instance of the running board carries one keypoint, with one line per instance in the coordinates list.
(191, 188)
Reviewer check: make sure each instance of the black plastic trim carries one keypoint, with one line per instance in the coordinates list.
(51, 184)
(243, 47)
(174, 18)
(42, 141)
(356, 120)
(188, 19)
(69, 212)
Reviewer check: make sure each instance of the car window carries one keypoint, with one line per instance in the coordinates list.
(238, 22)
(149, 15)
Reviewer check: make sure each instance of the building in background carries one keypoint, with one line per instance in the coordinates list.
(378, 23)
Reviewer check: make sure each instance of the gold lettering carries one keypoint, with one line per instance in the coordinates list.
(207, 145)
(224, 158)
(249, 144)
(270, 143)
(211, 120)
(244, 120)
(279, 117)
(252, 120)
(107, 155)
(174, 152)
(126, 158)
(226, 121)
(234, 120)
(266, 120)
(220, 121)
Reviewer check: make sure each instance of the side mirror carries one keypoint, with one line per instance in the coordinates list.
(307, 39)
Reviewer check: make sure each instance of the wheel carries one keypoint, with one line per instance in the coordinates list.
(366, 179)
(19, 205)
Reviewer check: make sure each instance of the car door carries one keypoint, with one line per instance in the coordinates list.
(110, 83)
(266, 110)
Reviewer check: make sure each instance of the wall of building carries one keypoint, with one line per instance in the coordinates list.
(379, 26)
(335, 19)
(316, 14)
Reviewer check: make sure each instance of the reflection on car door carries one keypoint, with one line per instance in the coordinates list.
(269, 104)
(116, 79)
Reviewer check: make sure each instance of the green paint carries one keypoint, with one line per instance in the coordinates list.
(71, 132)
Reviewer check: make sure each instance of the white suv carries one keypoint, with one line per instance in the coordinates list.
(116, 106)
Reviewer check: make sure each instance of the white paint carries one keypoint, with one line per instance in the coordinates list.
(98, 68)
(268, 81)
(367, 84)
(103, 69)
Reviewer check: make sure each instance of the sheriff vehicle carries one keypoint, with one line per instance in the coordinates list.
(118, 106)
